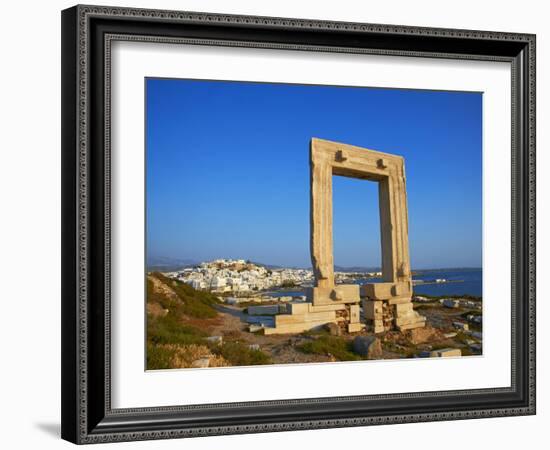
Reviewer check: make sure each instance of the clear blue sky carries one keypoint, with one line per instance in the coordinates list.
(228, 171)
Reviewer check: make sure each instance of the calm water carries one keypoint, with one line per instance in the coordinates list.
(469, 281)
(463, 282)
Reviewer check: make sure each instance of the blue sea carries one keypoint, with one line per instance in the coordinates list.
(460, 282)
(463, 282)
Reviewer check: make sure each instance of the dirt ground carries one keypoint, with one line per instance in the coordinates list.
(282, 348)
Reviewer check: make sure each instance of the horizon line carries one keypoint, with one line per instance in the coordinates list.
(378, 268)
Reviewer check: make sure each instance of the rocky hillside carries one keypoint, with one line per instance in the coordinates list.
(178, 322)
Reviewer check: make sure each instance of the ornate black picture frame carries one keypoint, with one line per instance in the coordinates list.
(87, 33)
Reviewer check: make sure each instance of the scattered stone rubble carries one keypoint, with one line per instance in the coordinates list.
(461, 326)
(477, 319)
(333, 329)
(217, 340)
(446, 352)
(460, 303)
(369, 346)
(450, 303)
(421, 299)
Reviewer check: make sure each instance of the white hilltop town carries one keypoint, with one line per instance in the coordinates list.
(240, 277)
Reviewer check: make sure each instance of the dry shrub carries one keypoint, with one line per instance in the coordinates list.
(155, 310)
(184, 355)
(218, 361)
(231, 335)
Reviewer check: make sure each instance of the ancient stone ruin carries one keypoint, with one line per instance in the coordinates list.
(386, 305)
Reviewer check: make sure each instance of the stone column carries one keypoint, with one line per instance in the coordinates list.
(321, 244)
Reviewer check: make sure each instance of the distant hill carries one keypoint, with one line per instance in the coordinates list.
(268, 266)
(167, 264)
(360, 269)
(336, 268)
(449, 269)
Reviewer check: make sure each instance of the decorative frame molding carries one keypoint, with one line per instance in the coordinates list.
(87, 34)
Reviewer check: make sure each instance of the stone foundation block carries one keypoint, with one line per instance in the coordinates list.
(399, 300)
(412, 325)
(298, 308)
(385, 291)
(355, 327)
(408, 319)
(378, 326)
(342, 293)
(403, 309)
(377, 291)
(324, 308)
(285, 319)
(354, 313)
(265, 310)
(402, 289)
(372, 309)
(294, 328)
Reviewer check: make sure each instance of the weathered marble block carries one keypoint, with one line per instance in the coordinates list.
(342, 293)
(446, 352)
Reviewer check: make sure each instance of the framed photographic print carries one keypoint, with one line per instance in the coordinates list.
(282, 224)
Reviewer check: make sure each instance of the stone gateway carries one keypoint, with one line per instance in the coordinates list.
(386, 305)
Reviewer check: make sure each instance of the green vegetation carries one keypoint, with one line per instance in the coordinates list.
(336, 346)
(289, 284)
(165, 328)
(239, 354)
(171, 342)
(158, 357)
(193, 303)
(407, 351)
(318, 332)
(168, 329)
